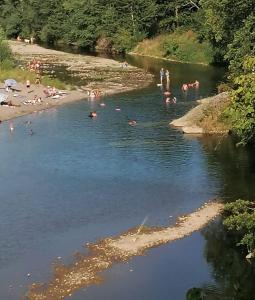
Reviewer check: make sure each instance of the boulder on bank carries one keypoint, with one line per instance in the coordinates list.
(204, 117)
(192, 130)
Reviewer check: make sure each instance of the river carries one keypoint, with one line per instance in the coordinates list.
(76, 180)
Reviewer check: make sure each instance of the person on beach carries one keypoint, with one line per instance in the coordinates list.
(38, 79)
(162, 74)
(28, 83)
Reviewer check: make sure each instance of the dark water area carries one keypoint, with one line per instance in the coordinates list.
(76, 180)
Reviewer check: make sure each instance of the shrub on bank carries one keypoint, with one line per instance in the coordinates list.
(239, 216)
(18, 74)
(242, 109)
(179, 45)
(6, 57)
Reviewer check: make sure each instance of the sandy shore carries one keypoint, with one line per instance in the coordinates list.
(107, 75)
(23, 107)
(86, 270)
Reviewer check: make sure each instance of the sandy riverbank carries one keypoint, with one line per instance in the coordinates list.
(107, 75)
(95, 72)
(86, 270)
(22, 105)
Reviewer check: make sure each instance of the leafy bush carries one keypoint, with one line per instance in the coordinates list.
(240, 217)
(242, 110)
(123, 40)
(181, 46)
(6, 57)
(186, 47)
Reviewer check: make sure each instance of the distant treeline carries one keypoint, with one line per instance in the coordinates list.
(121, 24)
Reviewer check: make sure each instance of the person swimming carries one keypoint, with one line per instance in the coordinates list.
(185, 87)
(93, 114)
(132, 122)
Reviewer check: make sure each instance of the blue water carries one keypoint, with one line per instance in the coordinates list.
(77, 180)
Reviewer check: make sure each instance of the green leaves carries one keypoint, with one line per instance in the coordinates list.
(242, 110)
(240, 217)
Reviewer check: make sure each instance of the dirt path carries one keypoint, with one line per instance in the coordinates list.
(86, 270)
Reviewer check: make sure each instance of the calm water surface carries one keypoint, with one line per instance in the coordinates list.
(77, 180)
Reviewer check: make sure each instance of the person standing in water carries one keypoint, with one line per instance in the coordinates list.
(167, 76)
(161, 73)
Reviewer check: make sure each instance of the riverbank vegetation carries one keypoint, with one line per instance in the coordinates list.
(181, 45)
(240, 218)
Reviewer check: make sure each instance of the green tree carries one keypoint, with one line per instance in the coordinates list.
(242, 109)
(243, 44)
(240, 217)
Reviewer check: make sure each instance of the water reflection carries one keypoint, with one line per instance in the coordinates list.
(235, 166)
(232, 273)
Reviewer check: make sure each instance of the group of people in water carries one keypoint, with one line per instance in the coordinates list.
(165, 74)
(168, 97)
(187, 86)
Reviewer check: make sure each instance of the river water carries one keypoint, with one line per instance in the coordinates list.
(76, 180)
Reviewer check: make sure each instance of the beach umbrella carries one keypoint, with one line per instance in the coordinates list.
(10, 82)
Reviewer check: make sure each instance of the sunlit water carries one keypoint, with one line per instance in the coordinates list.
(77, 180)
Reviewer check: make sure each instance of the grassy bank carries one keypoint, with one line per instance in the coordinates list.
(180, 46)
(21, 76)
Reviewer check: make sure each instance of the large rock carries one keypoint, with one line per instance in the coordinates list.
(190, 121)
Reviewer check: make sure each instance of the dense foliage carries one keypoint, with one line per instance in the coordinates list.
(242, 109)
(6, 58)
(120, 24)
(240, 217)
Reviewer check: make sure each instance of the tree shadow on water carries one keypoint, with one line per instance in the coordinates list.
(233, 275)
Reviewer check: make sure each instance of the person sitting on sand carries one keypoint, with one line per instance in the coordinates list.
(38, 79)
(28, 83)
(8, 103)
(125, 64)
(46, 92)
(53, 91)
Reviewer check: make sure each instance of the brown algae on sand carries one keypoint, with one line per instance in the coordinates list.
(86, 269)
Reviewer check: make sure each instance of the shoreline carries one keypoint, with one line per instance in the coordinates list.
(10, 113)
(107, 75)
(86, 269)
